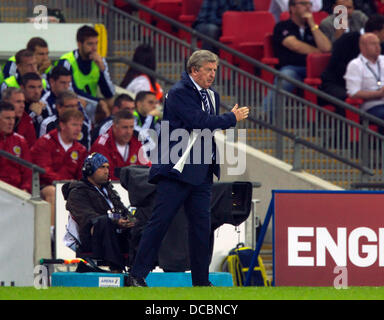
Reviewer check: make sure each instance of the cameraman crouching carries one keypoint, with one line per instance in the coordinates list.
(102, 218)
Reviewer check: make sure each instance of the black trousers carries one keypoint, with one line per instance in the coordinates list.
(336, 91)
(106, 244)
(170, 196)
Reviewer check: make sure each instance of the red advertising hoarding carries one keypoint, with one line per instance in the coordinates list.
(321, 237)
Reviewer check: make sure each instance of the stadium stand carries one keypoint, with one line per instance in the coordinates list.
(318, 16)
(122, 41)
(247, 40)
(261, 5)
(170, 8)
(268, 58)
(316, 64)
(189, 11)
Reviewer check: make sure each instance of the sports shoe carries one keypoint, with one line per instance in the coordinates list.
(136, 282)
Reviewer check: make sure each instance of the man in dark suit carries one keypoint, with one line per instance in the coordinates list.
(187, 180)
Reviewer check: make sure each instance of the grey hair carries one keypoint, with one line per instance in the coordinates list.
(200, 57)
(65, 95)
(7, 93)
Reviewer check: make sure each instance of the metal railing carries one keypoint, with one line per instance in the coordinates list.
(296, 140)
(297, 131)
(36, 170)
(304, 134)
(19, 10)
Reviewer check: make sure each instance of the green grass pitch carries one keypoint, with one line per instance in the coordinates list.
(210, 293)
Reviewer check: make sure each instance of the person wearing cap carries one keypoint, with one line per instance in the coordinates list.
(101, 216)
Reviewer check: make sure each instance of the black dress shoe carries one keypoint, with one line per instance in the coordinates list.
(209, 284)
(136, 282)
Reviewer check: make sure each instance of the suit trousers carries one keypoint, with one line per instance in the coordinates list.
(171, 194)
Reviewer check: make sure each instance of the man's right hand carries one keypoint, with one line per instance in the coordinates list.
(240, 113)
(44, 66)
(37, 107)
(98, 60)
(308, 16)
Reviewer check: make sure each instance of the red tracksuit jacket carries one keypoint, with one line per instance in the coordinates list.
(11, 172)
(59, 164)
(106, 145)
(26, 128)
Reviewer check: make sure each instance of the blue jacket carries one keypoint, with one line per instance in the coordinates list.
(183, 109)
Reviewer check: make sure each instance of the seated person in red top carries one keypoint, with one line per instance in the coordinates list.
(11, 142)
(119, 144)
(68, 100)
(60, 154)
(23, 123)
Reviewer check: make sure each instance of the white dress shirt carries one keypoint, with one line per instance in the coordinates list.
(364, 75)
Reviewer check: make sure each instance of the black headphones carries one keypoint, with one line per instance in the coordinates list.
(87, 169)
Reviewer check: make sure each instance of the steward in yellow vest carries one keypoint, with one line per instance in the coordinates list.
(89, 69)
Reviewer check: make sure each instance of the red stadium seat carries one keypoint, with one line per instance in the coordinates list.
(316, 64)
(356, 118)
(169, 8)
(261, 5)
(319, 16)
(189, 11)
(268, 58)
(248, 40)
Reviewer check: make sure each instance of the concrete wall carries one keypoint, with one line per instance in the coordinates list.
(24, 235)
(21, 33)
(273, 174)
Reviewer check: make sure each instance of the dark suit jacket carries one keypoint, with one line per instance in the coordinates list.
(344, 50)
(183, 110)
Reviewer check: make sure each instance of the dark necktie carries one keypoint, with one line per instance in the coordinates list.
(207, 109)
(204, 95)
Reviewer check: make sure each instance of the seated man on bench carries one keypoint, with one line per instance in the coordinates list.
(103, 220)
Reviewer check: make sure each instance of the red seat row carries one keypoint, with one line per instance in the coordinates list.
(184, 11)
(249, 33)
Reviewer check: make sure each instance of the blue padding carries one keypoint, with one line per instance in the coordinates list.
(181, 279)
(154, 279)
(87, 279)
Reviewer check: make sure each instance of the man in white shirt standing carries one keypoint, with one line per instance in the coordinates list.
(365, 76)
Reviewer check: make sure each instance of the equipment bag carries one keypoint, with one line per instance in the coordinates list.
(237, 263)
